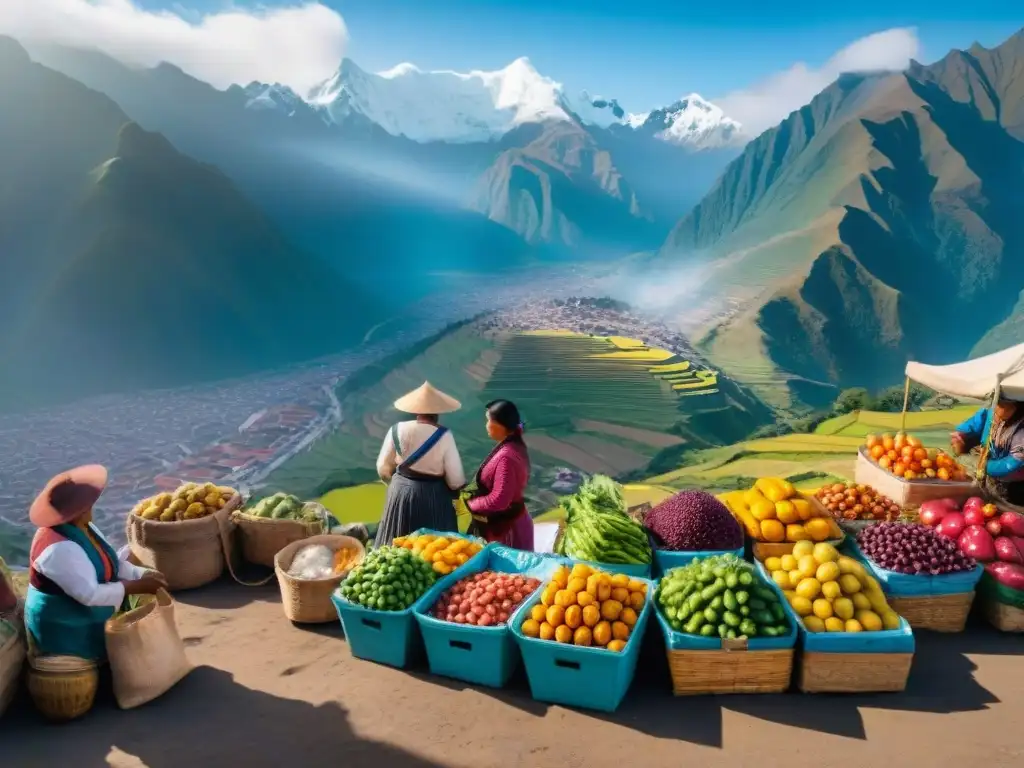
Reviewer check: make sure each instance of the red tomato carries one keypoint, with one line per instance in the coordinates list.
(517, 597)
(501, 593)
(502, 617)
(487, 598)
(506, 605)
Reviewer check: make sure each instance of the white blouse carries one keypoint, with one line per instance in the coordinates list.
(67, 565)
(442, 460)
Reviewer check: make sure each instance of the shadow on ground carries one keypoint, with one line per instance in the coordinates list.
(206, 720)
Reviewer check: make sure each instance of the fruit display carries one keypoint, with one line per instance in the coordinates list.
(694, 521)
(913, 549)
(283, 506)
(831, 592)
(721, 596)
(389, 579)
(980, 530)
(190, 501)
(484, 599)
(854, 501)
(444, 553)
(774, 511)
(589, 607)
(904, 456)
(597, 527)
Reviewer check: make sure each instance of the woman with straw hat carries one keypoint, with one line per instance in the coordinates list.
(422, 467)
(76, 579)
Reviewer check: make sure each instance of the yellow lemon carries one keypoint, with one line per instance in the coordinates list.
(786, 512)
(830, 590)
(814, 624)
(773, 564)
(828, 572)
(832, 624)
(825, 553)
(801, 605)
(781, 578)
(787, 488)
(789, 593)
(860, 601)
(818, 528)
(809, 588)
(843, 608)
(869, 620)
(773, 531)
(796, 532)
(849, 583)
(753, 496)
(802, 549)
(891, 620)
(803, 508)
(807, 566)
(849, 565)
(788, 563)
(822, 608)
(852, 625)
(763, 509)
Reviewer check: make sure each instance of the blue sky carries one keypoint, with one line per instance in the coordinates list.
(644, 53)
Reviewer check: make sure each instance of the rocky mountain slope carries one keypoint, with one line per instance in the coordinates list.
(128, 264)
(438, 147)
(878, 223)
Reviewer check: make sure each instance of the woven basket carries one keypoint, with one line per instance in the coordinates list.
(62, 687)
(939, 613)
(262, 537)
(12, 656)
(308, 601)
(730, 671)
(853, 672)
(1005, 618)
(190, 553)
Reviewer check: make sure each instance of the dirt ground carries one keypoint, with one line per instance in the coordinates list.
(266, 693)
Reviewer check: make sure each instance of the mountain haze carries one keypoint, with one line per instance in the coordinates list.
(879, 223)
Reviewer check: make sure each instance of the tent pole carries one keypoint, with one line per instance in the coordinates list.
(906, 402)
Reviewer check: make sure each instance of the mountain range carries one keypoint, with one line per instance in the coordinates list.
(879, 223)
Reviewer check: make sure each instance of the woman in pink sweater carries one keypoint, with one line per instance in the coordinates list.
(499, 512)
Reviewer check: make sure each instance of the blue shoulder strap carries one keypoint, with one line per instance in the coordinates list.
(427, 444)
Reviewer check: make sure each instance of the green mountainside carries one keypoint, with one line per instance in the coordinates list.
(879, 223)
(143, 267)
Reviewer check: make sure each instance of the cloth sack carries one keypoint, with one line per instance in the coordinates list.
(145, 652)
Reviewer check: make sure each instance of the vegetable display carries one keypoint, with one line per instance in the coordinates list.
(831, 592)
(774, 511)
(589, 607)
(190, 501)
(912, 549)
(283, 506)
(598, 529)
(443, 553)
(484, 599)
(850, 501)
(906, 457)
(389, 579)
(721, 596)
(979, 529)
(694, 521)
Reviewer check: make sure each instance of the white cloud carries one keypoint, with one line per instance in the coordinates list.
(768, 102)
(297, 45)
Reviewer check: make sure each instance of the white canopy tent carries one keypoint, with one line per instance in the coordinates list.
(1000, 373)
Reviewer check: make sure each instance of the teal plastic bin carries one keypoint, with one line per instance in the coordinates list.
(665, 560)
(391, 637)
(481, 655)
(915, 585)
(576, 676)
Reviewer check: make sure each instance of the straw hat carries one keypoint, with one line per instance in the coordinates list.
(425, 400)
(68, 496)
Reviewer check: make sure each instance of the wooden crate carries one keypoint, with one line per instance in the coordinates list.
(909, 493)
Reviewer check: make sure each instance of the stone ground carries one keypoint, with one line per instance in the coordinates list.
(267, 693)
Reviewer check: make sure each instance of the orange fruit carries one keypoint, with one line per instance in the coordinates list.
(582, 636)
(628, 617)
(621, 594)
(531, 628)
(786, 512)
(636, 600)
(610, 609)
(616, 645)
(539, 613)
(583, 599)
(818, 529)
(796, 532)
(772, 530)
(591, 615)
(573, 617)
(563, 634)
(620, 630)
(555, 615)
(547, 632)
(602, 633)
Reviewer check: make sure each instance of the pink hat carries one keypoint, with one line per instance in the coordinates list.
(68, 496)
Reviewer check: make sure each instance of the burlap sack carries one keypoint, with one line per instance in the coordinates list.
(190, 553)
(145, 652)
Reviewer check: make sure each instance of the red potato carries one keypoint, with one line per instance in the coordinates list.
(483, 599)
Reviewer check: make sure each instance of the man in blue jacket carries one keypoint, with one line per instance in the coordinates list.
(1004, 463)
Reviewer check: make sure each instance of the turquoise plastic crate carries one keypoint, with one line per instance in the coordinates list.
(680, 641)
(665, 560)
(908, 585)
(391, 637)
(482, 655)
(884, 641)
(576, 676)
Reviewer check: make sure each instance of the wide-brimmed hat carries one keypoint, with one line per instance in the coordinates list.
(68, 496)
(427, 399)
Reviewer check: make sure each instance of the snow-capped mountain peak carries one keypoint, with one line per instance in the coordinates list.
(692, 121)
(272, 97)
